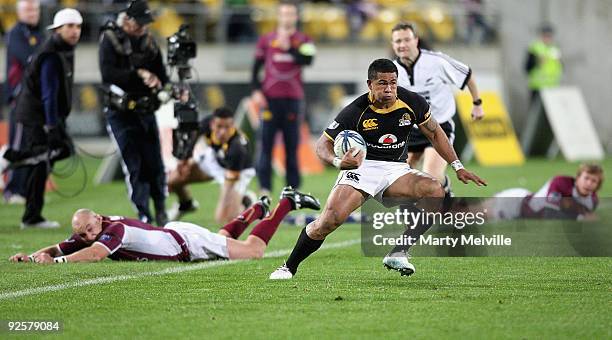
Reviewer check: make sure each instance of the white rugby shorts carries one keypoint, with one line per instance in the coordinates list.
(201, 242)
(207, 162)
(374, 177)
(507, 204)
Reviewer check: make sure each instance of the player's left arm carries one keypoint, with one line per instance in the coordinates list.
(432, 130)
(477, 111)
(94, 253)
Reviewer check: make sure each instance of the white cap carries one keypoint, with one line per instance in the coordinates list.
(66, 16)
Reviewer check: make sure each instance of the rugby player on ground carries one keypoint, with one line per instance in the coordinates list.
(97, 237)
(562, 197)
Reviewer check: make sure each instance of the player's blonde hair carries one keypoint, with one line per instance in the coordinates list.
(592, 169)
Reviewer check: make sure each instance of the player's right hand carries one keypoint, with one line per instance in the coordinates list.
(19, 257)
(352, 159)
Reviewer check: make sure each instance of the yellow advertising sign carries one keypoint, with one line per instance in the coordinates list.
(493, 137)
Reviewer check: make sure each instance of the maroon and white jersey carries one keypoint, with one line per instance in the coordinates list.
(552, 194)
(133, 240)
(282, 75)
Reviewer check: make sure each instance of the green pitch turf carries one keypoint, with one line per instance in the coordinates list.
(338, 293)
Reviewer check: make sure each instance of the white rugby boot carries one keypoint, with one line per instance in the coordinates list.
(399, 261)
(282, 273)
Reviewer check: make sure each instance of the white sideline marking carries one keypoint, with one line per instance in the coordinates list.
(171, 270)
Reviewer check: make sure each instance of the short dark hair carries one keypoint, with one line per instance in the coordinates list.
(381, 66)
(402, 25)
(223, 112)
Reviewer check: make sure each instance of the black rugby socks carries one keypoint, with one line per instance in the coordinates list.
(303, 248)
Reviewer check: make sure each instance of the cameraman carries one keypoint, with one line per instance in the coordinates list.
(131, 61)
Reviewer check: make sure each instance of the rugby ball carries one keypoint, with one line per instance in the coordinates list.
(346, 140)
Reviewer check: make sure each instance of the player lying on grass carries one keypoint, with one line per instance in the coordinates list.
(562, 197)
(97, 237)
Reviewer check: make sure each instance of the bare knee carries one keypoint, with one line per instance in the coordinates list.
(252, 248)
(257, 253)
(430, 188)
(175, 184)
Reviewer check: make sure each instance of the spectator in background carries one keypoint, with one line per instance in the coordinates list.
(476, 21)
(282, 54)
(543, 62)
(21, 42)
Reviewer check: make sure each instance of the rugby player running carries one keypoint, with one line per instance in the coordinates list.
(384, 117)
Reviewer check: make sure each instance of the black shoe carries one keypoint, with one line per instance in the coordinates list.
(264, 202)
(249, 199)
(300, 200)
(161, 218)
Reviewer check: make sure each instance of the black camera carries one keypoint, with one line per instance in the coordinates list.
(181, 48)
(186, 134)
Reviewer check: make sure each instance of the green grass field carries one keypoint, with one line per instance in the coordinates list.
(338, 293)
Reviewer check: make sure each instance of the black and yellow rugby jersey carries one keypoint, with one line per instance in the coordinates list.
(233, 155)
(386, 131)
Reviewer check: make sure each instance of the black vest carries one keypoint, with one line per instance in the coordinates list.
(30, 109)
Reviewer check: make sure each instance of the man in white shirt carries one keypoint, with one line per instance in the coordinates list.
(430, 74)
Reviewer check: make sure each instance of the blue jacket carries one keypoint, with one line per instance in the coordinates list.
(21, 42)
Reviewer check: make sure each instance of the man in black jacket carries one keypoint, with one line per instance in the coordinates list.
(133, 72)
(41, 111)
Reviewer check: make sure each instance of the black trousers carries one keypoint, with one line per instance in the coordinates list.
(137, 136)
(285, 116)
(32, 137)
(17, 178)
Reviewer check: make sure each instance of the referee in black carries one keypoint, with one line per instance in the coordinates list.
(132, 73)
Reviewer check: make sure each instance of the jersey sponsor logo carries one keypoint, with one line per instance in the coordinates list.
(333, 125)
(370, 124)
(282, 58)
(387, 146)
(387, 139)
(105, 237)
(352, 176)
(405, 120)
